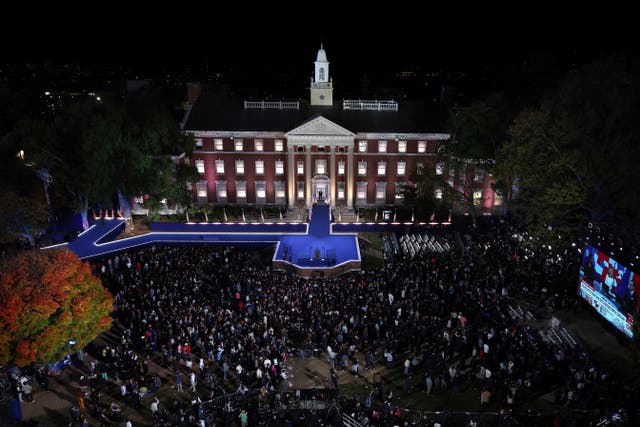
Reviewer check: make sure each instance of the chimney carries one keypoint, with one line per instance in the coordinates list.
(194, 90)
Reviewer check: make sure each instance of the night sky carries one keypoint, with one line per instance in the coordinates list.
(371, 37)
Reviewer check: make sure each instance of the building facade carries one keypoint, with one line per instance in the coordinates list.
(348, 154)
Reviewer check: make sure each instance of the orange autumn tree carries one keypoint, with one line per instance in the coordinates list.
(47, 298)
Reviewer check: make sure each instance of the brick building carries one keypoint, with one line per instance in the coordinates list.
(347, 153)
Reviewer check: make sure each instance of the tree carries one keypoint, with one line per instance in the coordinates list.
(94, 149)
(49, 297)
(573, 158)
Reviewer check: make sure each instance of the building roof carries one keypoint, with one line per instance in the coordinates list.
(217, 110)
(322, 55)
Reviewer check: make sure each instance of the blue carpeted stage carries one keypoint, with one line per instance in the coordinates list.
(306, 248)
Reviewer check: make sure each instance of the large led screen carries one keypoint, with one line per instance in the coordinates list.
(610, 288)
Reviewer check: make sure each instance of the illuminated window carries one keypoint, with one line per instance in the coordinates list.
(279, 145)
(219, 166)
(422, 146)
(261, 192)
(200, 166)
(239, 144)
(218, 145)
(240, 167)
(362, 146)
(321, 74)
(199, 144)
(381, 192)
(201, 189)
(300, 189)
(497, 198)
(259, 167)
(341, 167)
(402, 167)
(361, 193)
(382, 168)
(439, 168)
(340, 190)
(382, 146)
(279, 167)
(438, 193)
(300, 167)
(280, 192)
(221, 191)
(402, 146)
(241, 191)
(399, 187)
(258, 145)
(321, 167)
(477, 196)
(362, 168)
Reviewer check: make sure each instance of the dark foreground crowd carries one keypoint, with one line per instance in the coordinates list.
(226, 327)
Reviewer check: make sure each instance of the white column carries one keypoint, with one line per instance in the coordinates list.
(350, 185)
(332, 177)
(307, 175)
(291, 176)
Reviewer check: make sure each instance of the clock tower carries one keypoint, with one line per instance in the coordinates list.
(321, 84)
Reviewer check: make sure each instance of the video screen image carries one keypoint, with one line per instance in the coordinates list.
(610, 288)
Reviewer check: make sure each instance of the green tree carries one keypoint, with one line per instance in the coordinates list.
(573, 158)
(49, 297)
(93, 149)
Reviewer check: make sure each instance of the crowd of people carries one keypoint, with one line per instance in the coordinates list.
(226, 326)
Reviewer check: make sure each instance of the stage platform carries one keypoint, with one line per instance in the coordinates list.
(316, 248)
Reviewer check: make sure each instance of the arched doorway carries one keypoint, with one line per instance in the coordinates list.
(321, 189)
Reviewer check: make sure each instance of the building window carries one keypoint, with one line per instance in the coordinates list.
(279, 144)
(241, 191)
(239, 144)
(258, 145)
(419, 168)
(199, 144)
(382, 168)
(240, 167)
(402, 146)
(219, 166)
(439, 168)
(362, 168)
(280, 192)
(422, 146)
(399, 187)
(382, 146)
(279, 167)
(200, 166)
(477, 196)
(300, 167)
(341, 167)
(221, 191)
(259, 167)
(261, 192)
(321, 74)
(438, 193)
(218, 145)
(362, 146)
(361, 193)
(381, 192)
(340, 190)
(478, 175)
(300, 190)
(497, 198)
(201, 188)
(402, 167)
(321, 167)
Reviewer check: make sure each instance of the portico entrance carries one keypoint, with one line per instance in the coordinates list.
(321, 189)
